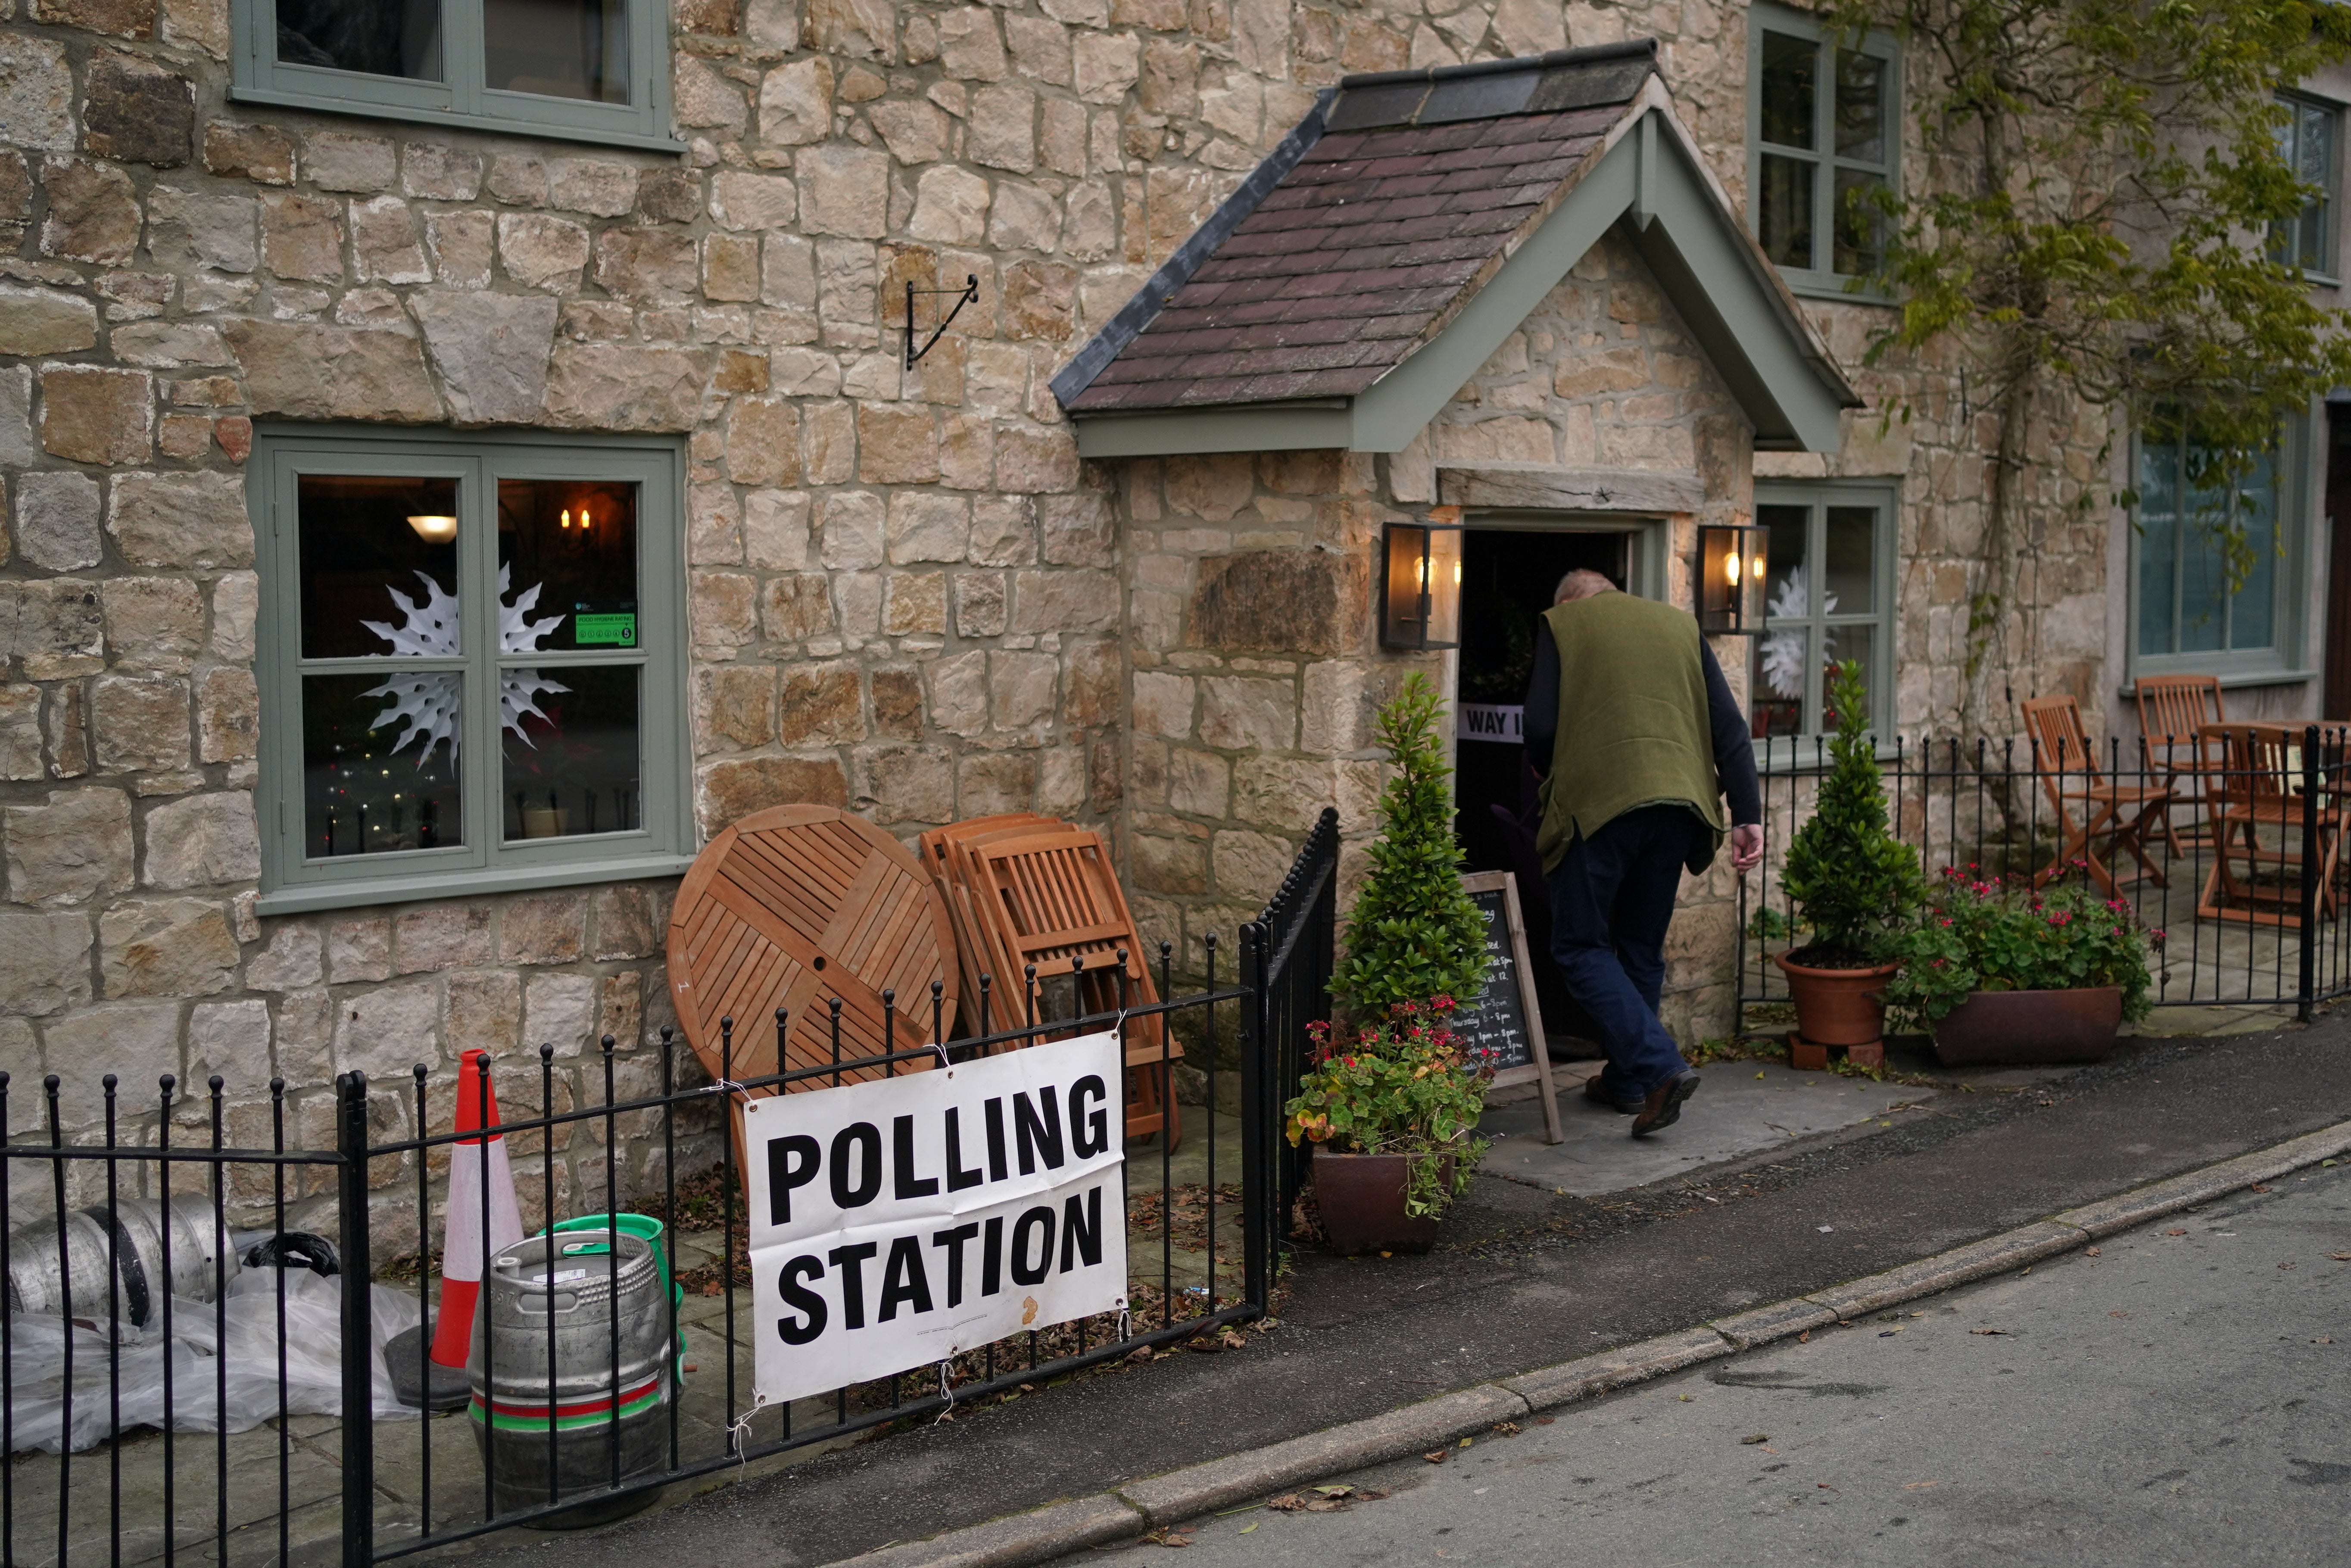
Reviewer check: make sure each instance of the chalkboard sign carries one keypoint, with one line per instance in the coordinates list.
(1504, 1019)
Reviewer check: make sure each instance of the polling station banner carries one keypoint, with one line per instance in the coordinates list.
(898, 1222)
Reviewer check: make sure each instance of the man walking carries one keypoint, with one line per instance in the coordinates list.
(1639, 739)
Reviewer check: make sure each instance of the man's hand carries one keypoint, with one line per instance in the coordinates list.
(1746, 846)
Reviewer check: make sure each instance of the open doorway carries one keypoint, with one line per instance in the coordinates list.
(1507, 577)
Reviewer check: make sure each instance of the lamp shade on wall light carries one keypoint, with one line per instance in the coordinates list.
(1420, 598)
(1730, 578)
(434, 528)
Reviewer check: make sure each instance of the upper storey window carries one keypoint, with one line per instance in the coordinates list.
(1823, 136)
(2306, 141)
(589, 70)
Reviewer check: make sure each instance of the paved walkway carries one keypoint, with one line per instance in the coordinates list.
(2184, 1397)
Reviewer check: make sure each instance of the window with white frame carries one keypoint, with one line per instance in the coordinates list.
(2306, 138)
(1823, 137)
(1827, 599)
(470, 661)
(590, 70)
(2191, 610)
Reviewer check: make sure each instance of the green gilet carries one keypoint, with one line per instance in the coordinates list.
(1633, 722)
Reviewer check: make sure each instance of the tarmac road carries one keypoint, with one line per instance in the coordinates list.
(1527, 1278)
(2178, 1398)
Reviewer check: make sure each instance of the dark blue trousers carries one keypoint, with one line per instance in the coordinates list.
(1611, 901)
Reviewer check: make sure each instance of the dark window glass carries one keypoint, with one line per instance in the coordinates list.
(557, 48)
(1789, 67)
(2306, 141)
(379, 566)
(1858, 223)
(1785, 203)
(2189, 496)
(380, 762)
(567, 564)
(379, 37)
(1860, 107)
(572, 763)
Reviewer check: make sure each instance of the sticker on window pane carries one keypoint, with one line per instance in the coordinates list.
(557, 48)
(1790, 65)
(376, 38)
(1783, 653)
(1785, 211)
(572, 760)
(574, 544)
(379, 566)
(379, 762)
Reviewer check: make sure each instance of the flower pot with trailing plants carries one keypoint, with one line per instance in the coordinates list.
(1851, 882)
(1391, 1112)
(2002, 974)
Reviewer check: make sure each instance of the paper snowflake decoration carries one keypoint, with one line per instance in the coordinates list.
(427, 702)
(1784, 651)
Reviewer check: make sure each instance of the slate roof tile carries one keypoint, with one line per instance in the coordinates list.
(1340, 270)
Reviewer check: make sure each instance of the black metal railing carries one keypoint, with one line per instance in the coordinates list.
(276, 1487)
(2227, 849)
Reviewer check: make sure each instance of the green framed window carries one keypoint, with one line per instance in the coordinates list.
(1824, 133)
(470, 656)
(1828, 596)
(2306, 138)
(589, 70)
(2186, 617)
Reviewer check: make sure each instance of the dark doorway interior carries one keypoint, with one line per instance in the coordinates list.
(1508, 576)
(2338, 570)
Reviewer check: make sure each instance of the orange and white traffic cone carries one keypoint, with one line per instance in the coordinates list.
(439, 1382)
(472, 1164)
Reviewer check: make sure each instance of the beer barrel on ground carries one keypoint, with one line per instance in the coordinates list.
(557, 1411)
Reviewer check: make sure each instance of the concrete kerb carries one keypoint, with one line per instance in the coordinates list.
(1166, 1500)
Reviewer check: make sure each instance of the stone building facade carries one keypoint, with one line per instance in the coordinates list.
(906, 593)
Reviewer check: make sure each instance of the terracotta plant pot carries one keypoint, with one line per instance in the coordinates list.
(1838, 1006)
(1360, 1197)
(2030, 1027)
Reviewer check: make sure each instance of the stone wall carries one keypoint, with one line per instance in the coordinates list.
(1257, 668)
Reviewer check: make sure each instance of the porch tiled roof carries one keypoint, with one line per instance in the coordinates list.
(1375, 234)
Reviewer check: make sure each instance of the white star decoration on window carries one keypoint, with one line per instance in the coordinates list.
(428, 702)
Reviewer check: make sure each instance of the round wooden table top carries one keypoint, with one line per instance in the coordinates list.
(791, 907)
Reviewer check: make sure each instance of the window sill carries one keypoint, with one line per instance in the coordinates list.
(1786, 755)
(488, 124)
(466, 884)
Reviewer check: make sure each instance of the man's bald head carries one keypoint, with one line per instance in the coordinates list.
(1580, 584)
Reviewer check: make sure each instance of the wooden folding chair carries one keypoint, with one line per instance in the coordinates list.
(943, 855)
(2173, 711)
(2259, 785)
(1051, 899)
(2088, 808)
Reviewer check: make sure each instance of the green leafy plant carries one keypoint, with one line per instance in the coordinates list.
(1978, 935)
(1414, 933)
(1404, 1085)
(1852, 879)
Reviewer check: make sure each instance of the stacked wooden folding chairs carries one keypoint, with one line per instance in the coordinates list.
(1033, 898)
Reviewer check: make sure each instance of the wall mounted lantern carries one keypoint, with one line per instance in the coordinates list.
(1420, 602)
(1730, 578)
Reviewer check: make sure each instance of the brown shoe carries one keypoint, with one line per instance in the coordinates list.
(1663, 1106)
(1600, 1097)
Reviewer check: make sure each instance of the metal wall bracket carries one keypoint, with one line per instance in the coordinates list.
(968, 294)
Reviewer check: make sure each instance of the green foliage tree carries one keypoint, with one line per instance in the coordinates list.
(1414, 934)
(1852, 881)
(2093, 224)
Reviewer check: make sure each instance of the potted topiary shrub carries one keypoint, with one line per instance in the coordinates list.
(1413, 934)
(1391, 1109)
(1852, 882)
(2006, 974)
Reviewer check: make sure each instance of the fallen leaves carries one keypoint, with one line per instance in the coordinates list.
(2118, 1314)
(1506, 1428)
(2324, 1339)
(1331, 1499)
(2340, 1257)
(1987, 1331)
(2257, 1187)
(1919, 1486)
(1754, 1437)
(2176, 1231)
(1247, 1528)
(2090, 1253)
(1438, 1456)
(1805, 1338)
(2287, 1264)
(1287, 1503)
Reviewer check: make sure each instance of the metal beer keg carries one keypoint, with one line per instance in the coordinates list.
(133, 1231)
(549, 1410)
